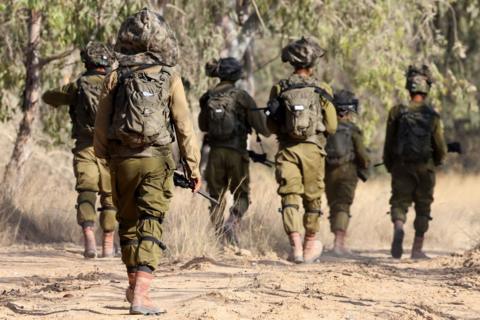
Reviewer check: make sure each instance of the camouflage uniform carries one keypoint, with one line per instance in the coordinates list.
(341, 178)
(300, 164)
(228, 161)
(92, 174)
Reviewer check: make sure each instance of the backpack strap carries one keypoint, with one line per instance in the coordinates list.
(322, 92)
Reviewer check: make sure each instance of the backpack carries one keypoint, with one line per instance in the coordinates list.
(142, 113)
(303, 117)
(340, 148)
(414, 134)
(85, 109)
(223, 119)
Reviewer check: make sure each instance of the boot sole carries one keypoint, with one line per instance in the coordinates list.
(146, 311)
(89, 255)
(397, 244)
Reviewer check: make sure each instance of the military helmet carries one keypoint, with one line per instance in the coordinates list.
(419, 79)
(97, 54)
(226, 69)
(302, 53)
(345, 101)
(147, 31)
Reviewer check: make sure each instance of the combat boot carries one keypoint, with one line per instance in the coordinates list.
(131, 286)
(107, 245)
(339, 248)
(397, 243)
(312, 248)
(417, 252)
(296, 253)
(89, 242)
(142, 304)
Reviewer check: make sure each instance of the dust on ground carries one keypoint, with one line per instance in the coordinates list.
(53, 282)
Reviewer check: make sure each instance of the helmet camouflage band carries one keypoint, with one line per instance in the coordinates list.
(419, 79)
(302, 53)
(97, 54)
(345, 101)
(147, 31)
(226, 69)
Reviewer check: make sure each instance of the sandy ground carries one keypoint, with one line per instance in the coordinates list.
(55, 282)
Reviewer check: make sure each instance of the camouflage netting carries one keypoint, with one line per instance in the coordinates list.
(97, 54)
(226, 69)
(147, 36)
(302, 53)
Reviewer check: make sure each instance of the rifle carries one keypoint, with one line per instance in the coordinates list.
(260, 158)
(452, 147)
(363, 174)
(179, 180)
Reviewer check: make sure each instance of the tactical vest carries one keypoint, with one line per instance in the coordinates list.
(84, 111)
(301, 100)
(141, 115)
(414, 134)
(340, 148)
(226, 119)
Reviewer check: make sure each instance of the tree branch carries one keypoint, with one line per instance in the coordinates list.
(49, 59)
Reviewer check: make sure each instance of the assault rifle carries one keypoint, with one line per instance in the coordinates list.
(452, 147)
(181, 181)
(260, 158)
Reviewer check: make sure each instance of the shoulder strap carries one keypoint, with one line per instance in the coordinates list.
(322, 92)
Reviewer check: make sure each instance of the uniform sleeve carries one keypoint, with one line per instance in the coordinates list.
(184, 128)
(104, 116)
(256, 118)
(361, 153)
(388, 155)
(329, 113)
(439, 144)
(203, 115)
(64, 96)
(272, 125)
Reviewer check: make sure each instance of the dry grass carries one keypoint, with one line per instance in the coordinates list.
(43, 211)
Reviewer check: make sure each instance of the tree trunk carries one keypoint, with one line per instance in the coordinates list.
(13, 176)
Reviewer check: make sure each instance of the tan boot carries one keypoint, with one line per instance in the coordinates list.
(339, 248)
(397, 243)
(131, 286)
(141, 303)
(89, 242)
(107, 245)
(417, 252)
(296, 253)
(312, 248)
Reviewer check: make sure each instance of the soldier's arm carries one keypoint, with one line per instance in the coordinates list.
(203, 115)
(439, 144)
(184, 128)
(329, 113)
(256, 118)
(104, 116)
(361, 153)
(63, 96)
(389, 139)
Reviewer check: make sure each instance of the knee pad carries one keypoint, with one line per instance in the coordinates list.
(421, 224)
(108, 220)
(86, 201)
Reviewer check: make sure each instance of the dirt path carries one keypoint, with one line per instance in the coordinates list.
(54, 283)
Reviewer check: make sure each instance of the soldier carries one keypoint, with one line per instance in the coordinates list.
(346, 155)
(92, 174)
(142, 104)
(301, 113)
(227, 115)
(414, 145)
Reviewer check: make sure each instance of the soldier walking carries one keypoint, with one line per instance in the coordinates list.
(346, 156)
(301, 113)
(227, 115)
(414, 146)
(91, 173)
(143, 103)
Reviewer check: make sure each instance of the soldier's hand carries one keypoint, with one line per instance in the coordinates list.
(196, 184)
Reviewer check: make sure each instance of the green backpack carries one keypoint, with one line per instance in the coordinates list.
(340, 148)
(302, 103)
(414, 134)
(142, 112)
(223, 117)
(85, 109)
